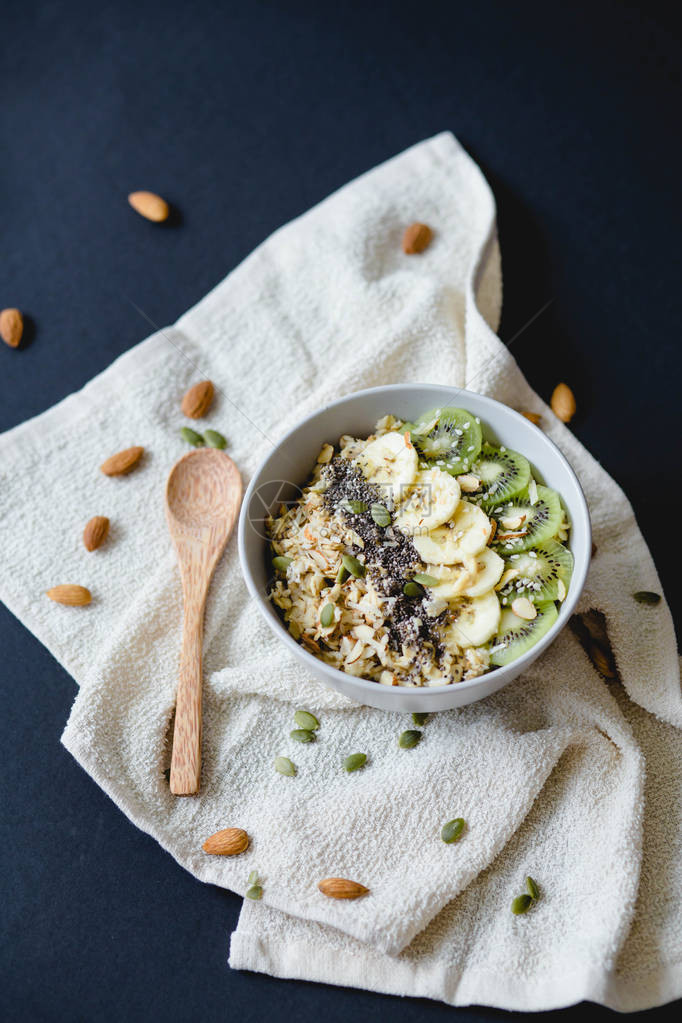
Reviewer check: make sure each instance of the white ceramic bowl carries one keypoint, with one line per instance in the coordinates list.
(288, 466)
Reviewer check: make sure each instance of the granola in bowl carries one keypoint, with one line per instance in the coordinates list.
(421, 555)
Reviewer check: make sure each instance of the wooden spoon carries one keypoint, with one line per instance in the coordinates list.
(203, 495)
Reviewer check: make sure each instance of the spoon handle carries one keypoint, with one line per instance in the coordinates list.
(186, 759)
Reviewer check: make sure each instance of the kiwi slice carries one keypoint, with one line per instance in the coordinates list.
(540, 570)
(539, 522)
(449, 438)
(516, 635)
(503, 474)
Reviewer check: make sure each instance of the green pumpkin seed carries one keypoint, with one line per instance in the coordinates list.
(424, 579)
(381, 515)
(281, 562)
(413, 590)
(302, 735)
(409, 739)
(215, 439)
(327, 616)
(192, 437)
(647, 597)
(304, 719)
(284, 766)
(419, 719)
(352, 565)
(532, 888)
(521, 904)
(453, 830)
(255, 892)
(342, 575)
(355, 761)
(253, 877)
(354, 507)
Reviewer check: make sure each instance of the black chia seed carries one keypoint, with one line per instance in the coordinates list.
(389, 567)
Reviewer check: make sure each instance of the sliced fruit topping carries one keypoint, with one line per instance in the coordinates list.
(517, 635)
(452, 580)
(449, 437)
(390, 463)
(474, 525)
(538, 572)
(432, 501)
(536, 522)
(502, 473)
(489, 568)
(468, 533)
(477, 619)
(439, 547)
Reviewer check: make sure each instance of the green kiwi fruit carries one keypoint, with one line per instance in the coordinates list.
(542, 521)
(448, 438)
(502, 472)
(540, 571)
(515, 635)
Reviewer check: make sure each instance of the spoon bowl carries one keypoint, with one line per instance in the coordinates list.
(200, 487)
(203, 495)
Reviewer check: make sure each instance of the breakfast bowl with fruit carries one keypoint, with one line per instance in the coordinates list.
(415, 546)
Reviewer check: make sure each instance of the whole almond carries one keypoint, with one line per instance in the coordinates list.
(95, 532)
(197, 401)
(342, 888)
(228, 842)
(69, 593)
(11, 327)
(149, 205)
(563, 403)
(416, 238)
(122, 462)
(534, 417)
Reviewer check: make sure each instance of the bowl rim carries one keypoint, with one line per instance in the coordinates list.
(367, 685)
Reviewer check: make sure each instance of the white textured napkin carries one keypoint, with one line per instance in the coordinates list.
(558, 776)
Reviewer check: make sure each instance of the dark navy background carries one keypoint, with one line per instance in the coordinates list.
(244, 115)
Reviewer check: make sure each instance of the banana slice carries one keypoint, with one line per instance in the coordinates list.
(439, 547)
(474, 525)
(490, 567)
(468, 533)
(477, 621)
(390, 462)
(432, 501)
(453, 579)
